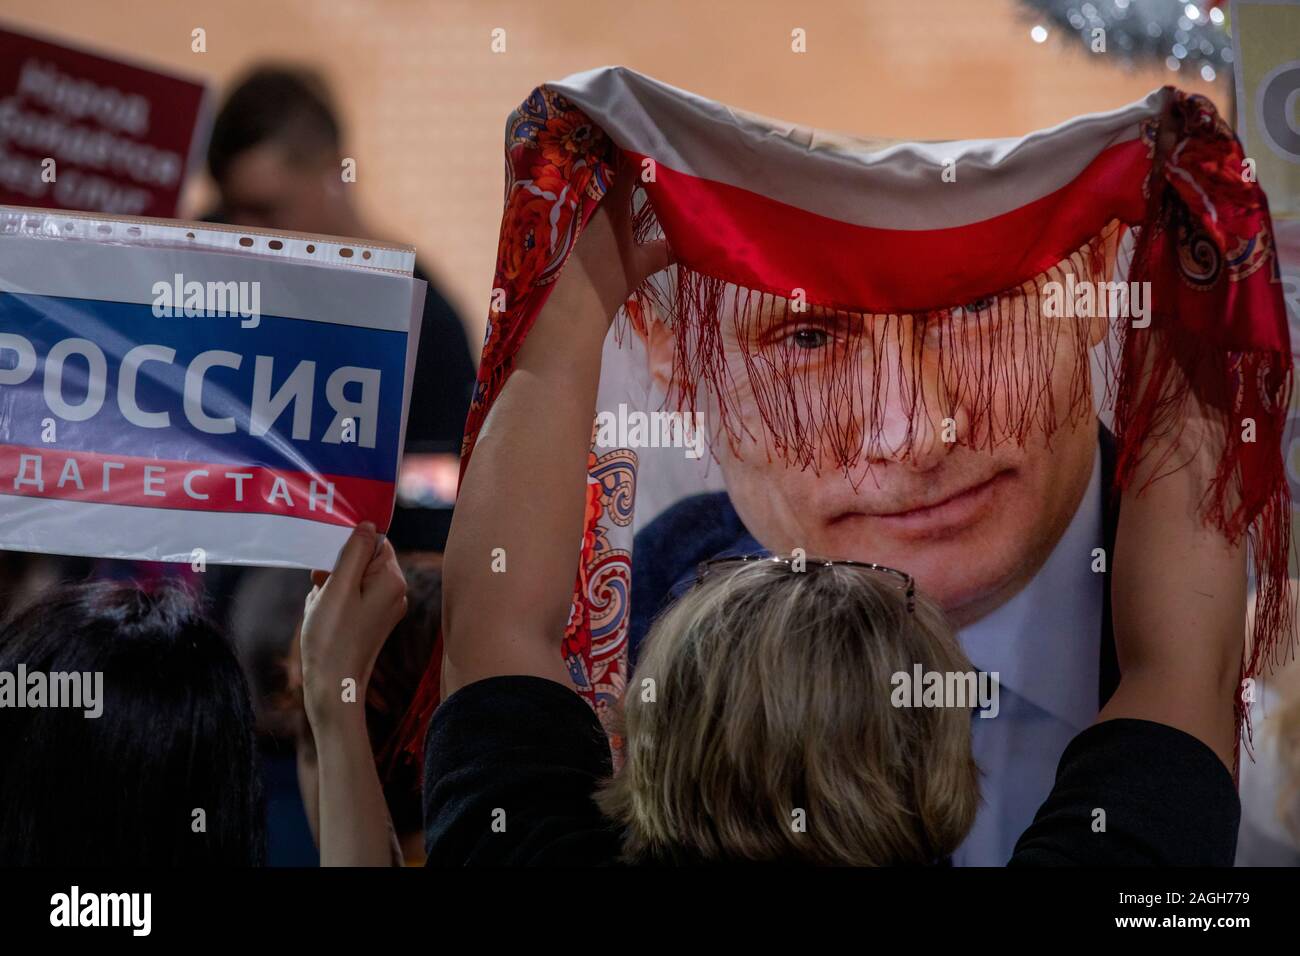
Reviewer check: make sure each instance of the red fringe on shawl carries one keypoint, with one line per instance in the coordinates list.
(1224, 345)
(1218, 336)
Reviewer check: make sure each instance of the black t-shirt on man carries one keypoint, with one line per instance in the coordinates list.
(444, 377)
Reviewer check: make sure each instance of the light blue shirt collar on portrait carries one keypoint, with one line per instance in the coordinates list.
(1045, 645)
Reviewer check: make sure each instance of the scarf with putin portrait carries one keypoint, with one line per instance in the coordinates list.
(1139, 232)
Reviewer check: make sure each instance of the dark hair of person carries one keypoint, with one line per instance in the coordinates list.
(175, 736)
(285, 105)
(398, 670)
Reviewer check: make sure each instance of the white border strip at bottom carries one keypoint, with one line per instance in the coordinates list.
(94, 529)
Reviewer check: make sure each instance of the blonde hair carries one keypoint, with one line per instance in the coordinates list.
(765, 692)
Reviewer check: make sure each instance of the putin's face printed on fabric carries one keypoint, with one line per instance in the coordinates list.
(972, 519)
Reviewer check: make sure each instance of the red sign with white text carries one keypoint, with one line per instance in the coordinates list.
(80, 131)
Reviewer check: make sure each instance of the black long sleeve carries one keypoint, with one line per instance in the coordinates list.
(1163, 797)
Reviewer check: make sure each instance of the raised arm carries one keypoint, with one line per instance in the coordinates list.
(524, 491)
(349, 615)
(1178, 596)
(1179, 609)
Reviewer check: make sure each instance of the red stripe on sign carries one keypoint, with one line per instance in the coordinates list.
(193, 486)
(760, 243)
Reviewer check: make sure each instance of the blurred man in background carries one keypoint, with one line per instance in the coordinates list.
(275, 155)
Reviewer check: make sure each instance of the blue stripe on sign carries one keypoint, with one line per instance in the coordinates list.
(117, 327)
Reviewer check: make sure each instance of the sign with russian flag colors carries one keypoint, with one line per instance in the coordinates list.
(176, 392)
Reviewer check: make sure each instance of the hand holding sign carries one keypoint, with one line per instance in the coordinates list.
(349, 614)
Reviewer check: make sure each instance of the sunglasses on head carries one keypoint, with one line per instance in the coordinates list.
(900, 580)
